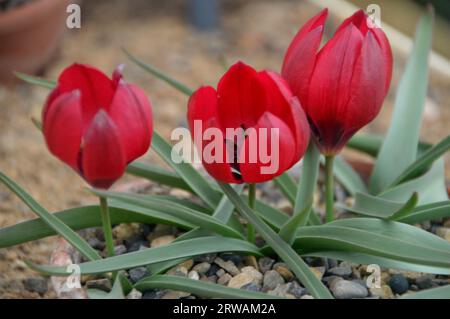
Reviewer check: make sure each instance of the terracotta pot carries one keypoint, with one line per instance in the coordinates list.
(29, 35)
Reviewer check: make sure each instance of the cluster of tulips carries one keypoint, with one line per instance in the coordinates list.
(323, 95)
(98, 125)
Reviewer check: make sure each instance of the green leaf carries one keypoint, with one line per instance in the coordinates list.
(434, 293)
(157, 174)
(52, 221)
(374, 206)
(422, 213)
(366, 143)
(424, 161)
(193, 178)
(399, 148)
(308, 182)
(347, 176)
(48, 84)
(286, 253)
(182, 212)
(430, 187)
(187, 248)
(388, 240)
(198, 287)
(85, 217)
(222, 213)
(160, 74)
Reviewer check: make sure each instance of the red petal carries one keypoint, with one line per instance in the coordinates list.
(358, 19)
(287, 107)
(386, 52)
(252, 172)
(62, 128)
(316, 22)
(330, 83)
(368, 85)
(131, 112)
(96, 88)
(103, 158)
(241, 97)
(203, 107)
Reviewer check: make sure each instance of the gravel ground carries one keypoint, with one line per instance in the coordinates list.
(255, 31)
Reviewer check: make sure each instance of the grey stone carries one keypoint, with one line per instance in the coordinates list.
(153, 294)
(252, 287)
(137, 273)
(120, 250)
(345, 289)
(425, 282)
(271, 280)
(282, 291)
(265, 264)
(193, 275)
(37, 284)
(101, 284)
(229, 266)
(297, 290)
(341, 271)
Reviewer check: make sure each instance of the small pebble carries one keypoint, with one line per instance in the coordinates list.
(134, 294)
(282, 291)
(224, 279)
(202, 268)
(95, 243)
(271, 280)
(212, 270)
(284, 271)
(425, 282)
(345, 289)
(251, 261)
(240, 280)
(220, 272)
(178, 271)
(137, 274)
(229, 266)
(120, 250)
(37, 284)
(399, 284)
(162, 241)
(265, 264)
(193, 275)
(153, 294)
(101, 284)
(236, 259)
(341, 271)
(252, 287)
(318, 271)
(296, 290)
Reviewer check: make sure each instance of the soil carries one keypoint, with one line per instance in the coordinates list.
(257, 32)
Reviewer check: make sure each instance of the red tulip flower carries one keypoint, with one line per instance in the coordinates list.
(96, 125)
(252, 101)
(341, 86)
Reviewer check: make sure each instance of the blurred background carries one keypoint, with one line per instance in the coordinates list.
(191, 40)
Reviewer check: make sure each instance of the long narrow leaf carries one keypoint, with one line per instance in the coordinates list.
(424, 161)
(399, 148)
(434, 293)
(286, 253)
(48, 84)
(187, 248)
(159, 74)
(198, 287)
(52, 221)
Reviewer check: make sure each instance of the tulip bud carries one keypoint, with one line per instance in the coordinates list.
(274, 131)
(342, 86)
(96, 125)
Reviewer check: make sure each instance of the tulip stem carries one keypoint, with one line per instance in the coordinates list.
(329, 188)
(106, 222)
(251, 204)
